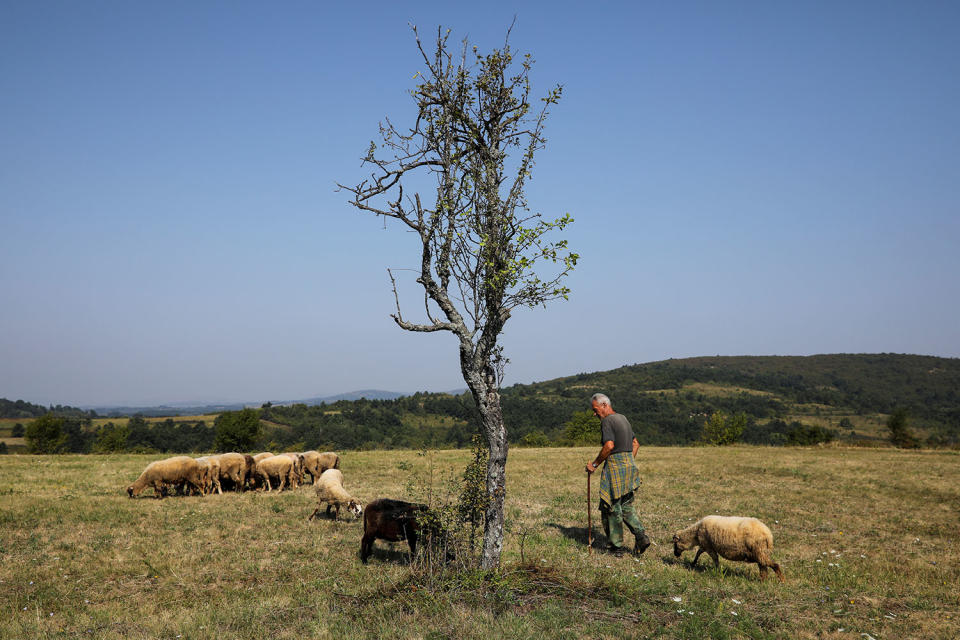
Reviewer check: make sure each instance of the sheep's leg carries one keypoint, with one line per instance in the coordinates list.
(158, 490)
(776, 568)
(411, 540)
(716, 559)
(219, 488)
(314, 514)
(696, 557)
(329, 507)
(763, 571)
(266, 478)
(366, 547)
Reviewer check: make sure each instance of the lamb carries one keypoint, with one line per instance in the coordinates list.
(211, 467)
(316, 463)
(261, 456)
(392, 520)
(734, 538)
(329, 488)
(279, 467)
(171, 471)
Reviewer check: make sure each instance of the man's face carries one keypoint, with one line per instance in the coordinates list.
(597, 409)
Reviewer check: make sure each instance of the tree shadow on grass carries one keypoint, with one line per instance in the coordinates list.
(579, 535)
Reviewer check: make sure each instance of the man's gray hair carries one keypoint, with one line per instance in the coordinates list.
(599, 398)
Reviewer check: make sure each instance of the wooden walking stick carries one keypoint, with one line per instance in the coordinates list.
(589, 518)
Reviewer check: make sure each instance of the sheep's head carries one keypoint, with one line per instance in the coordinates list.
(355, 508)
(680, 543)
(130, 491)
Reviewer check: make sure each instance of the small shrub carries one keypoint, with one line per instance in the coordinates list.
(722, 429)
(901, 435)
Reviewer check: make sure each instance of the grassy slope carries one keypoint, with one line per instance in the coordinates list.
(867, 538)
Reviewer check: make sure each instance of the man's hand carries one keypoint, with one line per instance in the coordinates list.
(590, 467)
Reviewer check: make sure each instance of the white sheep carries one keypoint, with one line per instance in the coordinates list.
(279, 467)
(734, 538)
(234, 467)
(253, 479)
(172, 471)
(329, 488)
(316, 463)
(211, 466)
(297, 459)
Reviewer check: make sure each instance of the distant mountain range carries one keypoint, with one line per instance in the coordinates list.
(191, 409)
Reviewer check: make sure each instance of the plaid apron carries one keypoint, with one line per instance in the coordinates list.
(620, 476)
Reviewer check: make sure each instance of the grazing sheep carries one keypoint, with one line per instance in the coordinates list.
(171, 471)
(204, 474)
(297, 467)
(734, 538)
(316, 463)
(212, 474)
(253, 480)
(279, 467)
(234, 468)
(392, 520)
(329, 488)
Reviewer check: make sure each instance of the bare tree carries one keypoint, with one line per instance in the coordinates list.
(471, 149)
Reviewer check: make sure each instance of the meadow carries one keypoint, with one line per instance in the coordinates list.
(868, 540)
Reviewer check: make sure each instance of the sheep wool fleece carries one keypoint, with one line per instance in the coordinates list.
(618, 481)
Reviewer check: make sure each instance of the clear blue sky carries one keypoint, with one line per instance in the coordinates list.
(746, 178)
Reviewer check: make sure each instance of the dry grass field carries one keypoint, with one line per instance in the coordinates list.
(868, 540)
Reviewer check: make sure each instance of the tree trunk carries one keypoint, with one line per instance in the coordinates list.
(481, 379)
(491, 419)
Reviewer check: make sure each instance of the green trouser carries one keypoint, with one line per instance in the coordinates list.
(614, 517)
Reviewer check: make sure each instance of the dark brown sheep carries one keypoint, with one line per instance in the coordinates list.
(392, 520)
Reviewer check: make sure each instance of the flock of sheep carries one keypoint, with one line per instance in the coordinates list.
(241, 471)
(734, 538)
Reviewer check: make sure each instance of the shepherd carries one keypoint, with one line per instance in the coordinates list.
(619, 478)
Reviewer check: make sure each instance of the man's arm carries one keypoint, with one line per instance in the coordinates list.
(603, 455)
(636, 445)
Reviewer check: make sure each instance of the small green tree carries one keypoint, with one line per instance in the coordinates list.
(237, 430)
(18, 431)
(722, 429)
(581, 429)
(111, 438)
(46, 435)
(901, 435)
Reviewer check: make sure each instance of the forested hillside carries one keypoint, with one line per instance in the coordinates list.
(780, 399)
(21, 409)
(850, 394)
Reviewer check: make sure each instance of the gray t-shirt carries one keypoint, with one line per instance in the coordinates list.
(617, 429)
